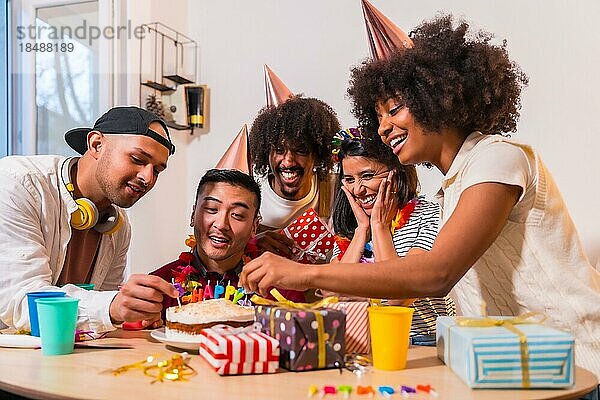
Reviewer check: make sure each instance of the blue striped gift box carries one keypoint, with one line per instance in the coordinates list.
(490, 357)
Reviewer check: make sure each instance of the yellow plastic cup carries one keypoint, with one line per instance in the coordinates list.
(390, 328)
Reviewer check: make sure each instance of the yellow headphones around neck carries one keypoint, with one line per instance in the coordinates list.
(87, 216)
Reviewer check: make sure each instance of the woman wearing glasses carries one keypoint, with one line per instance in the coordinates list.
(377, 216)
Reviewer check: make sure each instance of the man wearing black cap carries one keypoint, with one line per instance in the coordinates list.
(61, 221)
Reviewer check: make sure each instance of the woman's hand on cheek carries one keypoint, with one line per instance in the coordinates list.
(361, 216)
(386, 203)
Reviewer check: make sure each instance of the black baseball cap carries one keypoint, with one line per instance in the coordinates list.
(121, 121)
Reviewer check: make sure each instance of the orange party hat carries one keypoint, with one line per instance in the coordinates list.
(276, 90)
(236, 156)
(384, 36)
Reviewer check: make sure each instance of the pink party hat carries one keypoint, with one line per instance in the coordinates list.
(276, 90)
(384, 36)
(236, 156)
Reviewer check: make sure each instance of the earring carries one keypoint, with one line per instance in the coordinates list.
(190, 241)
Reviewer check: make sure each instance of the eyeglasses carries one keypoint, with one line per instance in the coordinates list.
(350, 181)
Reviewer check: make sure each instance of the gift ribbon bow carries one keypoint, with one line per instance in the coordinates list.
(313, 256)
(509, 323)
(281, 302)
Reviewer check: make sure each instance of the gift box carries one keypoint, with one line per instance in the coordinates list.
(313, 239)
(489, 353)
(358, 335)
(236, 351)
(309, 339)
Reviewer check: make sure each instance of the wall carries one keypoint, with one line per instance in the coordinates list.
(160, 218)
(311, 46)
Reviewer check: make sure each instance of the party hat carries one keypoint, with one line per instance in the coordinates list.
(276, 90)
(236, 156)
(384, 36)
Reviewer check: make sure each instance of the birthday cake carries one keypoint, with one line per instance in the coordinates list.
(187, 321)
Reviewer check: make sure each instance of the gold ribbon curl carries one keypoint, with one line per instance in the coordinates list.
(175, 369)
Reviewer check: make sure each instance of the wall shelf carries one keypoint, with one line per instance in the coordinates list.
(167, 59)
(159, 86)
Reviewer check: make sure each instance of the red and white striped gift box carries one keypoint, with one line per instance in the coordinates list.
(358, 335)
(237, 351)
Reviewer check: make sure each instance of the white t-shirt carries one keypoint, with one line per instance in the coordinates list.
(537, 262)
(277, 212)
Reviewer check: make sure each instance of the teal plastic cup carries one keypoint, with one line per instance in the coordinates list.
(86, 286)
(33, 314)
(58, 318)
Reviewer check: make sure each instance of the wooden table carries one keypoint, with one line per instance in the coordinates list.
(27, 372)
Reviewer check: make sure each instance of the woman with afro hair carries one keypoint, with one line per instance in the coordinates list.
(290, 146)
(506, 238)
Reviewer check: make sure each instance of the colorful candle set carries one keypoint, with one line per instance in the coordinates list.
(386, 392)
(208, 292)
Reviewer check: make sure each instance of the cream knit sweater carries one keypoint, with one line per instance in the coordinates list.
(537, 263)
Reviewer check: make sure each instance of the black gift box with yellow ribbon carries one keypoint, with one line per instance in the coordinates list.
(310, 337)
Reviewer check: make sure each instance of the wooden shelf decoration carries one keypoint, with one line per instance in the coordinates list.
(167, 59)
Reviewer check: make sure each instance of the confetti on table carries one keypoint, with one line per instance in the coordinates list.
(175, 369)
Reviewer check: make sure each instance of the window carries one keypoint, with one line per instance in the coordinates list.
(66, 79)
(58, 84)
(4, 78)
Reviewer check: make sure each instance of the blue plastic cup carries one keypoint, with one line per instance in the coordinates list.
(33, 314)
(58, 319)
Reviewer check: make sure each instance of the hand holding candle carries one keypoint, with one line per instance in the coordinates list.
(141, 299)
(179, 289)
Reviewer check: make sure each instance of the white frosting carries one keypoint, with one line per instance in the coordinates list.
(204, 312)
(179, 335)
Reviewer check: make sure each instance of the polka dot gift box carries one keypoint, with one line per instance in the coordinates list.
(313, 239)
(309, 339)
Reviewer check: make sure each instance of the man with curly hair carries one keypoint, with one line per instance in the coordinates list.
(507, 238)
(290, 145)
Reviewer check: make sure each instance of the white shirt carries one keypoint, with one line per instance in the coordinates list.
(277, 212)
(537, 262)
(35, 211)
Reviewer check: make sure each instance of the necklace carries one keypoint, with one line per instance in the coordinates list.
(403, 215)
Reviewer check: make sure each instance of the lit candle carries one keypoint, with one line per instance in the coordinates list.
(219, 290)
